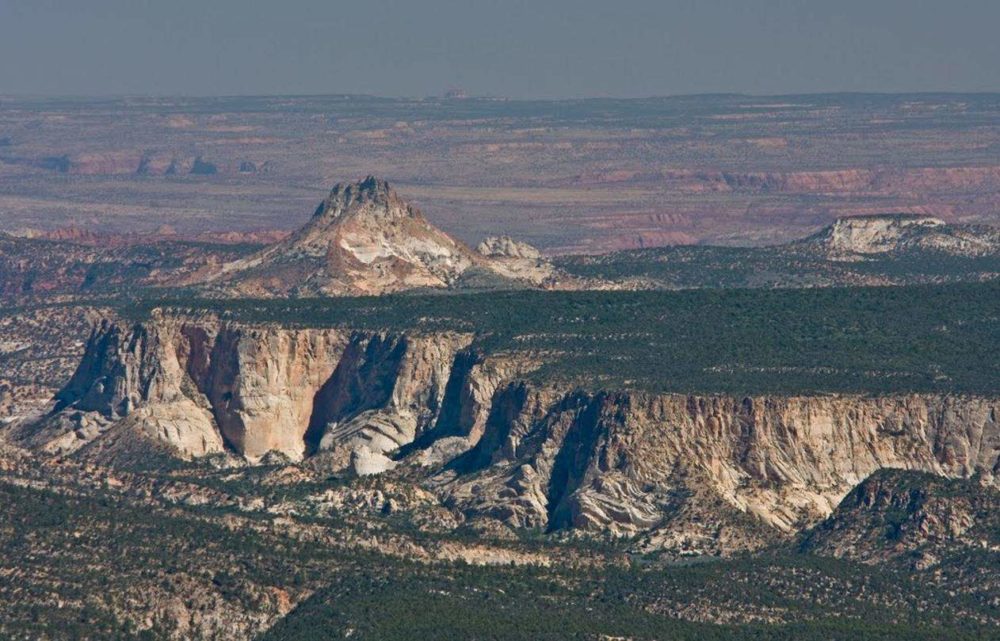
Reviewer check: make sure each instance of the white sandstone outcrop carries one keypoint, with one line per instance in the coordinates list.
(860, 236)
(201, 385)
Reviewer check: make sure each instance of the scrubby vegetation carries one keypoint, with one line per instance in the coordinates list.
(793, 265)
(98, 564)
(509, 604)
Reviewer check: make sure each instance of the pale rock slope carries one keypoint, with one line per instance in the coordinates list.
(507, 247)
(860, 236)
(518, 260)
(661, 465)
(201, 386)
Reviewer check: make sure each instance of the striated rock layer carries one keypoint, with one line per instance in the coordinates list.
(687, 472)
(202, 385)
(631, 462)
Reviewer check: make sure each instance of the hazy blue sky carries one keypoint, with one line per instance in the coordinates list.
(518, 48)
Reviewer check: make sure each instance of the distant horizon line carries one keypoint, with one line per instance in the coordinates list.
(484, 97)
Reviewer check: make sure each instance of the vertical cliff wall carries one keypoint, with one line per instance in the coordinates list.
(258, 389)
(627, 462)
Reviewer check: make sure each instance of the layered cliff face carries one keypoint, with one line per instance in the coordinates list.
(685, 472)
(200, 386)
(634, 463)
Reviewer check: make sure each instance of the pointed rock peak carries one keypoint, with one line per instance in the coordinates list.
(367, 189)
(350, 196)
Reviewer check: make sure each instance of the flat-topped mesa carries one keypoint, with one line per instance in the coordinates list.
(854, 237)
(899, 220)
(371, 196)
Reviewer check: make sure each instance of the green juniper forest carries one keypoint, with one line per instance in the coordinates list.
(792, 265)
(103, 550)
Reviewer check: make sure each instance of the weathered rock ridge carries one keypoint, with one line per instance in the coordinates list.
(882, 234)
(635, 462)
(688, 472)
(910, 516)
